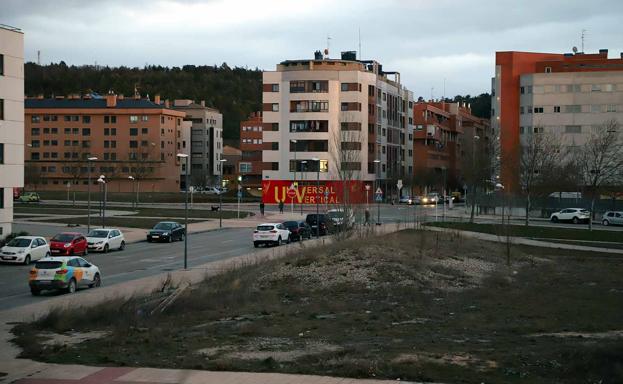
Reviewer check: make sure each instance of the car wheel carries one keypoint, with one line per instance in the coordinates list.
(255, 244)
(35, 291)
(554, 219)
(27, 260)
(606, 223)
(122, 246)
(170, 239)
(106, 248)
(149, 240)
(71, 288)
(97, 281)
(279, 241)
(576, 220)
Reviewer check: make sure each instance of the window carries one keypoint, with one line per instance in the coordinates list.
(46, 131)
(86, 131)
(1, 153)
(573, 129)
(246, 167)
(75, 143)
(274, 146)
(522, 90)
(133, 131)
(595, 108)
(344, 87)
(274, 166)
(608, 87)
(596, 88)
(538, 109)
(274, 87)
(573, 108)
(275, 107)
(35, 119)
(1, 65)
(86, 119)
(548, 69)
(34, 143)
(54, 143)
(67, 131)
(351, 146)
(75, 118)
(144, 131)
(145, 118)
(35, 131)
(556, 108)
(521, 130)
(133, 119)
(1, 200)
(521, 110)
(75, 131)
(611, 108)
(34, 156)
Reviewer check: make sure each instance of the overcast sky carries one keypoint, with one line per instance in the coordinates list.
(425, 40)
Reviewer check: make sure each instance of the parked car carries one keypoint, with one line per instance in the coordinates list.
(299, 230)
(69, 243)
(105, 239)
(319, 224)
(431, 198)
(67, 273)
(270, 233)
(575, 215)
(341, 220)
(211, 191)
(29, 197)
(24, 249)
(409, 200)
(612, 218)
(166, 231)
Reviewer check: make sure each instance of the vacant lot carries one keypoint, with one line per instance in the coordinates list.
(413, 305)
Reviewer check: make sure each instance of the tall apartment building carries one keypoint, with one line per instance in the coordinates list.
(129, 136)
(206, 145)
(563, 94)
(344, 112)
(11, 121)
(250, 165)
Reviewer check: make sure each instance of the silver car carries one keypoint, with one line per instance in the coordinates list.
(612, 218)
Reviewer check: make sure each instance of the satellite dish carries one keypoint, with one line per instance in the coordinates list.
(575, 49)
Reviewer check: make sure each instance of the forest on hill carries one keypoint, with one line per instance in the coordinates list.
(235, 92)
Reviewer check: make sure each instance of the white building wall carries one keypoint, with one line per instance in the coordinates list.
(12, 125)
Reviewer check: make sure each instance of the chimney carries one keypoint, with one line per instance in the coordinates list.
(120, 97)
(166, 103)
(157, 99)
(111, 100)
(40, 96)
(203, 103)
(603, 52)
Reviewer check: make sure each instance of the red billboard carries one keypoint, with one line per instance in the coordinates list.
(307, 192)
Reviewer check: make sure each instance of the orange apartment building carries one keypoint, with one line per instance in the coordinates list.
(250, 165)
(566, 93)
(129, 136)
(440, 132)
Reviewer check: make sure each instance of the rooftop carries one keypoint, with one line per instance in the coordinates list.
(92, 103)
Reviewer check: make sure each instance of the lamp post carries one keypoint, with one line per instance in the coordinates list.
(102, 181)
(220, 195)
(294, 141)
(317, 160)
(474, 177)
(378, 201)
(131, 178)
(89, 160)
(185, 157)
(303, 167)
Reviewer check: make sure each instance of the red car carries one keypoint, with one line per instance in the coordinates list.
(69, 243)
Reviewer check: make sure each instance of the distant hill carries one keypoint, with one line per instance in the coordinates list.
(235, 92)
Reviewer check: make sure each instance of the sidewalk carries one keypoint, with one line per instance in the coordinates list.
(24, 371)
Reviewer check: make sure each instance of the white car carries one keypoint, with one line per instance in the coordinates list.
(270, 233)
(63, 273)
(105, 239)
(575, 215)
(211, 191)
(24, 249)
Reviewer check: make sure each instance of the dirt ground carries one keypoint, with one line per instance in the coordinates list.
(414, 305)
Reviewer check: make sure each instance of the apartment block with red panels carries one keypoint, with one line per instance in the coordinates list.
(251, 144)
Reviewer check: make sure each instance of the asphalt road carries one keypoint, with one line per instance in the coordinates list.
(136, 261)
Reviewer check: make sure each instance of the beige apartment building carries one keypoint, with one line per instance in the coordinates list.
(344, 112)
(11, 121)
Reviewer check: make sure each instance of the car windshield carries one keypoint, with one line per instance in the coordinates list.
(336, 214)
(64, 238)
(265, 227)
(19, 243)
(48, 264)
(290, 224)
(98, 233)
(163, 226)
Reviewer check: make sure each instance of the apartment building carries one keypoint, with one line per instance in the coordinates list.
(331, 119)
(567, 95)
(11, 121)
(441, 133)
(183, 147)
(250, 165)
(206, 145)
(134, 137)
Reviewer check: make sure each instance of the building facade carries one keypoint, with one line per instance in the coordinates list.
(250, 165)
(567, 95)
(206, 145)
(336, 117)
(11, 121)
(129, 137)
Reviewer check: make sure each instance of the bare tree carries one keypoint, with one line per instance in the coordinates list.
(477, 169)
(32, 174)
(600, 160)
(540, 156)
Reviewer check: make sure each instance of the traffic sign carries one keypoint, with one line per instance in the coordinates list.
(399, 184)
(291, 193)
(378, 197)
(367, 187)
(379, 191)
(239, 194)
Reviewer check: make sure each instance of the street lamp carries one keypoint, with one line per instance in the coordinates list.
(89, 160)
(132, 180)
(294, 141)
(476, 137)
(102, 181)
(317, 160)
(378, 201)
(185, 157)
(303, 167)
(220, 195)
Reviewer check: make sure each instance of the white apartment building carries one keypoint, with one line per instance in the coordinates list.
(11, 121)
(206, 141)
(344, 112)
(570, 105)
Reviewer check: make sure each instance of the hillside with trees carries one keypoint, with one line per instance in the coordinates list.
(235, 92)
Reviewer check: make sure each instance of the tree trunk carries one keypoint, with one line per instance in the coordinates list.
(590, 216)
(528, 210)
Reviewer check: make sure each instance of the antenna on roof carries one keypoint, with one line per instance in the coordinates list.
(38, 57)
(326, 51)
(574, 49)
(360, 55)
(583, 37)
